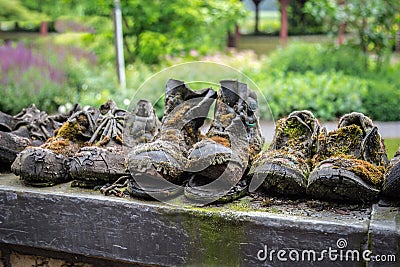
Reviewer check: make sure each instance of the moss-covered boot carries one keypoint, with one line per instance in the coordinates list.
(30, 127)
(284, 167)
(350, 162)
(102, 161)
(49, 163)
(158, 166)
(219, 161)
(391, 186)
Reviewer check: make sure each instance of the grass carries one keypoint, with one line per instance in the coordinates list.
(392, 145)
(264, 45)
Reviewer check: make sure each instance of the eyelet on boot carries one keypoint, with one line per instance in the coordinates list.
(350, 162)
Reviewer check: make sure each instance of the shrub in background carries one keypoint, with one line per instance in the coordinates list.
(27, 77)
(381, 101)
(302, 57)
(328, 95)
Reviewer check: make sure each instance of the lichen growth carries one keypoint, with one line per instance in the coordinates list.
(221, 140)
(214, 236)
(341, 142)
(292, 135)
(225, 117)
(294, 129)
(363, 169)
(69, 137)
(69, 130)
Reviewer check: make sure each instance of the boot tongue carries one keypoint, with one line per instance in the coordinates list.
(358, 119)
(185, 111)
(143, 109)
(343, 141)
(230, 92)
(28, 116)
(296, 135)
(371, 147)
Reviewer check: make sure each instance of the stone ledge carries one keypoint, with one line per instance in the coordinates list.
(84, 222)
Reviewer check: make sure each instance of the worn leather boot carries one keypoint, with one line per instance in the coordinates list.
(157, 167)
(49, 163)
(391, 186)
(102, 161)
(284, 168)
(350, 162)
(30, 127)
(219, 161)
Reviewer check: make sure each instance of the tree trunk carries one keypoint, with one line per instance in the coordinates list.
(44, 28)
(233, 38)
(284, 21)
(257, 14)
(342, 27)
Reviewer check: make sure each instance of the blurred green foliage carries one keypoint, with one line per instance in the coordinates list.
(326, 79)
(303, 57)
(14, 10)
(301, 22)
(341, 78)
(328, 95)
(374, 23)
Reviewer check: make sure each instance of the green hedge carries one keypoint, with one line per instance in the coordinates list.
(331, 81)
(328, 95)
(381, 101)
(302, 57)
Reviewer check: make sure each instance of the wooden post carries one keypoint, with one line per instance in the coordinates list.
(119, 47)
(284, 21)
(342, 27)
(44, 28)
(233, 38)
(257, 19)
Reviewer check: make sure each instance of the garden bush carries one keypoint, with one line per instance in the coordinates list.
(328, 95)
(381, 102)
(27, 77)
(375, 90)
(46, 75)
(302, 57)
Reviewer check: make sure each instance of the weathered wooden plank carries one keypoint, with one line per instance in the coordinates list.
(384, 235)
(84, 222)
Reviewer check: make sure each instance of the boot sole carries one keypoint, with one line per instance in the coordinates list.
(206, 197)
(159, 194)
(280, 179)
(41, 167)
(156, 161)
(221, 190)
(340, 185)
(94, 166)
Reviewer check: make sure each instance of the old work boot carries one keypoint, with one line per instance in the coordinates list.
(49, 163)
(350, 162)
(219, 161)
(102, 161)
(30, 127)
(284, 167)
(391, 186)
(157, 167)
